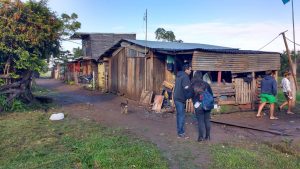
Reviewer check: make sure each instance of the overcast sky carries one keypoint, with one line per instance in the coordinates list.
(244, 24)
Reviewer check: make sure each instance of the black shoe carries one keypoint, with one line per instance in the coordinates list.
(200, 139)
(183, 136)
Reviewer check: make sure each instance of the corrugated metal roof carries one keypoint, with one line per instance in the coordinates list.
(159, 46)
(176, 46)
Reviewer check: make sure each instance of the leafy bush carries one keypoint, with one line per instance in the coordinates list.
(16, 105)
(3, 104)
(2, 82)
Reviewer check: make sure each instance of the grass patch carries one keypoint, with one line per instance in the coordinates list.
(225, 109)
(251, 156)
(30, 140)
(40, 91)
(281, 98)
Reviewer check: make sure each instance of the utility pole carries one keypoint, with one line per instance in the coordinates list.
(292, 69)
(145, 72)
(295, 56)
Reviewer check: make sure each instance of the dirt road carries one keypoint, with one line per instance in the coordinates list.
(159, 129)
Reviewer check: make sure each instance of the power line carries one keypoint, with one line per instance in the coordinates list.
(69, 40)
(269, 42)
(292, 41)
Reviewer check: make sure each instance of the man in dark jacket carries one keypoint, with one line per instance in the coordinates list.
(268, 94)
(182, 92)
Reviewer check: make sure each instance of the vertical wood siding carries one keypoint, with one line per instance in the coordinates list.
(127, 75)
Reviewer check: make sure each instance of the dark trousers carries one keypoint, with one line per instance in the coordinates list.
(203, 118)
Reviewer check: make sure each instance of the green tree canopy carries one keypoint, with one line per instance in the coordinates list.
(77, 52)
(30, 33)
(284, 63)
(162, 34)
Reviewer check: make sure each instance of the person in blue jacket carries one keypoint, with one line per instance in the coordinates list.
(182, 92)
(268, 94)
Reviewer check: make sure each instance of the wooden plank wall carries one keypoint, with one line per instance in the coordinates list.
(135, 77)
(220, 89)
(122, 66)
(127, 75)
(236, 63)
(114, 74)
(149, 72)
(101, 76)
(158, 74)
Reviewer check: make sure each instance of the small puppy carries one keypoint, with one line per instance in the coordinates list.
(124, 107)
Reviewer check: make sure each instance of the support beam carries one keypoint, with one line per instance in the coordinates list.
(219, 76)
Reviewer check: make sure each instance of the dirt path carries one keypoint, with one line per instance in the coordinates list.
(160, 129)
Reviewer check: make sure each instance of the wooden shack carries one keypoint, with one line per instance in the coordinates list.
(230, 71)
(93, 45)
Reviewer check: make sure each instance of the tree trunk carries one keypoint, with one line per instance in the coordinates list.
(20, 89)
(7, 66)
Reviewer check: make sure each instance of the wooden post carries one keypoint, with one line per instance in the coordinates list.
(219, 76)
(293, 71)
(93, 80)
(75, 77)
(253, 92)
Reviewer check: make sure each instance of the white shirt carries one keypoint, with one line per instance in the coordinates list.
(286, 85)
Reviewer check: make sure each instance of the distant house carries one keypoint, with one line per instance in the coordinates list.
(232, 72)
(93, 45)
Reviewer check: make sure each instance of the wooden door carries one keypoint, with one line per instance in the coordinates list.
(101, 76)
(243, 91)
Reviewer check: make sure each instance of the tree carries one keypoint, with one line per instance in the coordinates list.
(284, 63)
(162, 34)
(77, 52)
(30, 33)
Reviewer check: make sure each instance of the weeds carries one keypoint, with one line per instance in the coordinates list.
(16, 105)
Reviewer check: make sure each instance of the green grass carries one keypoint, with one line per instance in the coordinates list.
(225, 109)
(45, 74)
(281, 98)
(40, 91)
(251, 156)
(30, 140)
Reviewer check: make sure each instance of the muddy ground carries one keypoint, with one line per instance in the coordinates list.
(160, 128)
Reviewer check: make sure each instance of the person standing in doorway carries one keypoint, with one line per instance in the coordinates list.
(286, 88)
(268, 94)
(182, 92)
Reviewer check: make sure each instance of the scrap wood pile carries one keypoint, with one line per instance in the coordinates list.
(164, 102)
(222, 89)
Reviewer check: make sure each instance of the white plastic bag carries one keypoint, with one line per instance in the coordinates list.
(57, 116)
